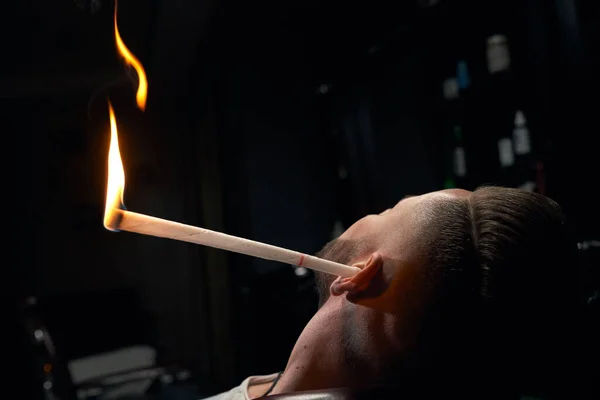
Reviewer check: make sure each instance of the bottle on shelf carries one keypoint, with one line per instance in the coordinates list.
(451, 92)
(455, 89)
(462, 75)
(506, 152)
(498, 54)
(531, 170)
(450, 89)
(459, 157)
(521, 134)
(459, 152)
(501, 92)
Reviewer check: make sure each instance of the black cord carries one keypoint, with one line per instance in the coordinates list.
(273, 384)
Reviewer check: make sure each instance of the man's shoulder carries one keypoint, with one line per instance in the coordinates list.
(231, 395)
(241, 392)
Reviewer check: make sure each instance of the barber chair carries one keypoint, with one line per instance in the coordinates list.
(99, 346)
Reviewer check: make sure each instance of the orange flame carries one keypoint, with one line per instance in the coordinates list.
(116, 176)
(142, 92)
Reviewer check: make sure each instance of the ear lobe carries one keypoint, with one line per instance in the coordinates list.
(361, 280)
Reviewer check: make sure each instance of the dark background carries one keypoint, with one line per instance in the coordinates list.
(272, 120)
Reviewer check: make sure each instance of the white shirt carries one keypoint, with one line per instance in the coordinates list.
(241, 392)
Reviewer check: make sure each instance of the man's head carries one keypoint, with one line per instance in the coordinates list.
(475, 280)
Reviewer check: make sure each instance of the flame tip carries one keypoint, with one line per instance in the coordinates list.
(130, 59)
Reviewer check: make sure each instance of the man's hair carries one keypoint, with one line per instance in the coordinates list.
(506, 289)
(340, 251)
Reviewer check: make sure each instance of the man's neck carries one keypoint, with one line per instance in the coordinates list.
(329, 353)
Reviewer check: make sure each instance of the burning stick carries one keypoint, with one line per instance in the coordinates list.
(117, 219)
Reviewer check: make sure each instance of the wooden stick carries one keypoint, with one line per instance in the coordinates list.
(122, 220)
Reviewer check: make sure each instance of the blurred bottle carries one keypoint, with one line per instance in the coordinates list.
(530, 171)
(498, 54)
(506, 151)
(502, 92)
(459, 158)
(455, 89)
(451, 92)
(450, 89)
(462, 75)
(521, 134)
(460, 126)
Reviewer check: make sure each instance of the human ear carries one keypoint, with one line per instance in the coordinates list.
(361, 280)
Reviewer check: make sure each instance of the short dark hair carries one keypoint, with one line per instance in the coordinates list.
(338, 250)
(506, 288)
